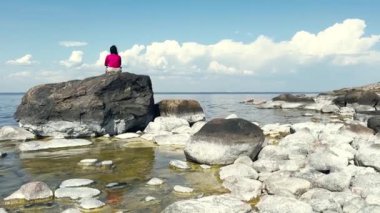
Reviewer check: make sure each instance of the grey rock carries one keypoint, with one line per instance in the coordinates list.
(243, 188)
(105, 104)
(155, 182)
(149, 198)
(15, 133)
(326, 161)
(216, 203)
(91, 203)
(366, 184)
(374, 123)
(369, 156)
(52, 144)
(285, 186)
(335, 181)
(76, 192)
(189, 110)
(179, 164)
(197, 126)
(279, 204)
(76, 182)
(293, 98)
(183, 189)
(165, 124)
(353, 205)
(222, 141)
(31, 191)
(238, 169)
(244, 160)
(88, 162)
(266, 165)
(330, 109)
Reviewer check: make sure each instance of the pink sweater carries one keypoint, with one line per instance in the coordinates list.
(113, 60)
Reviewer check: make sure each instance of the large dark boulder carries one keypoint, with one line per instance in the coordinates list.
(374, 123)
(293, 98)
(360, 97)
(189, 110)
(222, 141)
(106, 104)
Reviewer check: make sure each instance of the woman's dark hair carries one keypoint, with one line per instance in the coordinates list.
(113, 49)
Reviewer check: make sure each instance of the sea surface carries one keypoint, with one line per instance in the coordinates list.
(136, 162)
(214, 104)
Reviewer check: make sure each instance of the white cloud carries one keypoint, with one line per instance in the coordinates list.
(73, 43)
(75, 59)
(24, 60)
(341, 44)
(102, 58)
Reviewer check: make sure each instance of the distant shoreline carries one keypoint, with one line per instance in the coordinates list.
(197, 93)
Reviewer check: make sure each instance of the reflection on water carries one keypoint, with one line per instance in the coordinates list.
(134, 166)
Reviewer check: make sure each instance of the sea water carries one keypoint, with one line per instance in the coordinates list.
(135, 163)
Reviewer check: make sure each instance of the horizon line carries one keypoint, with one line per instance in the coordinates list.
(210, 92)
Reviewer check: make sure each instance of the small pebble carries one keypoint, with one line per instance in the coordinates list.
(149, 198)
(88, 162)
(179, 164)
(107, 163)
(204, 166)
(116, 185)
(76, 182)
(307, 114)
(155, 182)
(183, 189)
(91, 203)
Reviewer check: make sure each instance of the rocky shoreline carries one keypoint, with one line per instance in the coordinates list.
(316, 166)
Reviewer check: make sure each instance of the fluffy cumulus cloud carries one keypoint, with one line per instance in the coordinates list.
(73, 43)
(24, 60)
(341, 44)
(75, 59)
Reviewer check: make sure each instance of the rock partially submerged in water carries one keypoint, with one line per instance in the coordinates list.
(189, 110)
(182, 189)
(287, 97)
(30, 192)
(216, 203)
(222, 141)
(106, 104)
(76, 192)
(76, 182)
(15, 133)
(52, 144)
(91, 203)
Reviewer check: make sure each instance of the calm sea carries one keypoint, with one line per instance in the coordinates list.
(214, 105)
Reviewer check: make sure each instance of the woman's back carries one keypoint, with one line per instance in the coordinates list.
(113, 60)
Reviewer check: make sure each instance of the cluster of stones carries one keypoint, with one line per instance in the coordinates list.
(331, 167)
(74, 189)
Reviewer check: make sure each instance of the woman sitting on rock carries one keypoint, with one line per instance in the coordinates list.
(113, 61)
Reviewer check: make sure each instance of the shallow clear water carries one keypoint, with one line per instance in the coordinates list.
(135, 163)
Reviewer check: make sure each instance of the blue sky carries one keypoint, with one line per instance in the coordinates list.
(198, 45)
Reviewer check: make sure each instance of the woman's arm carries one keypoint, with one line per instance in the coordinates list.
(106, 61)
